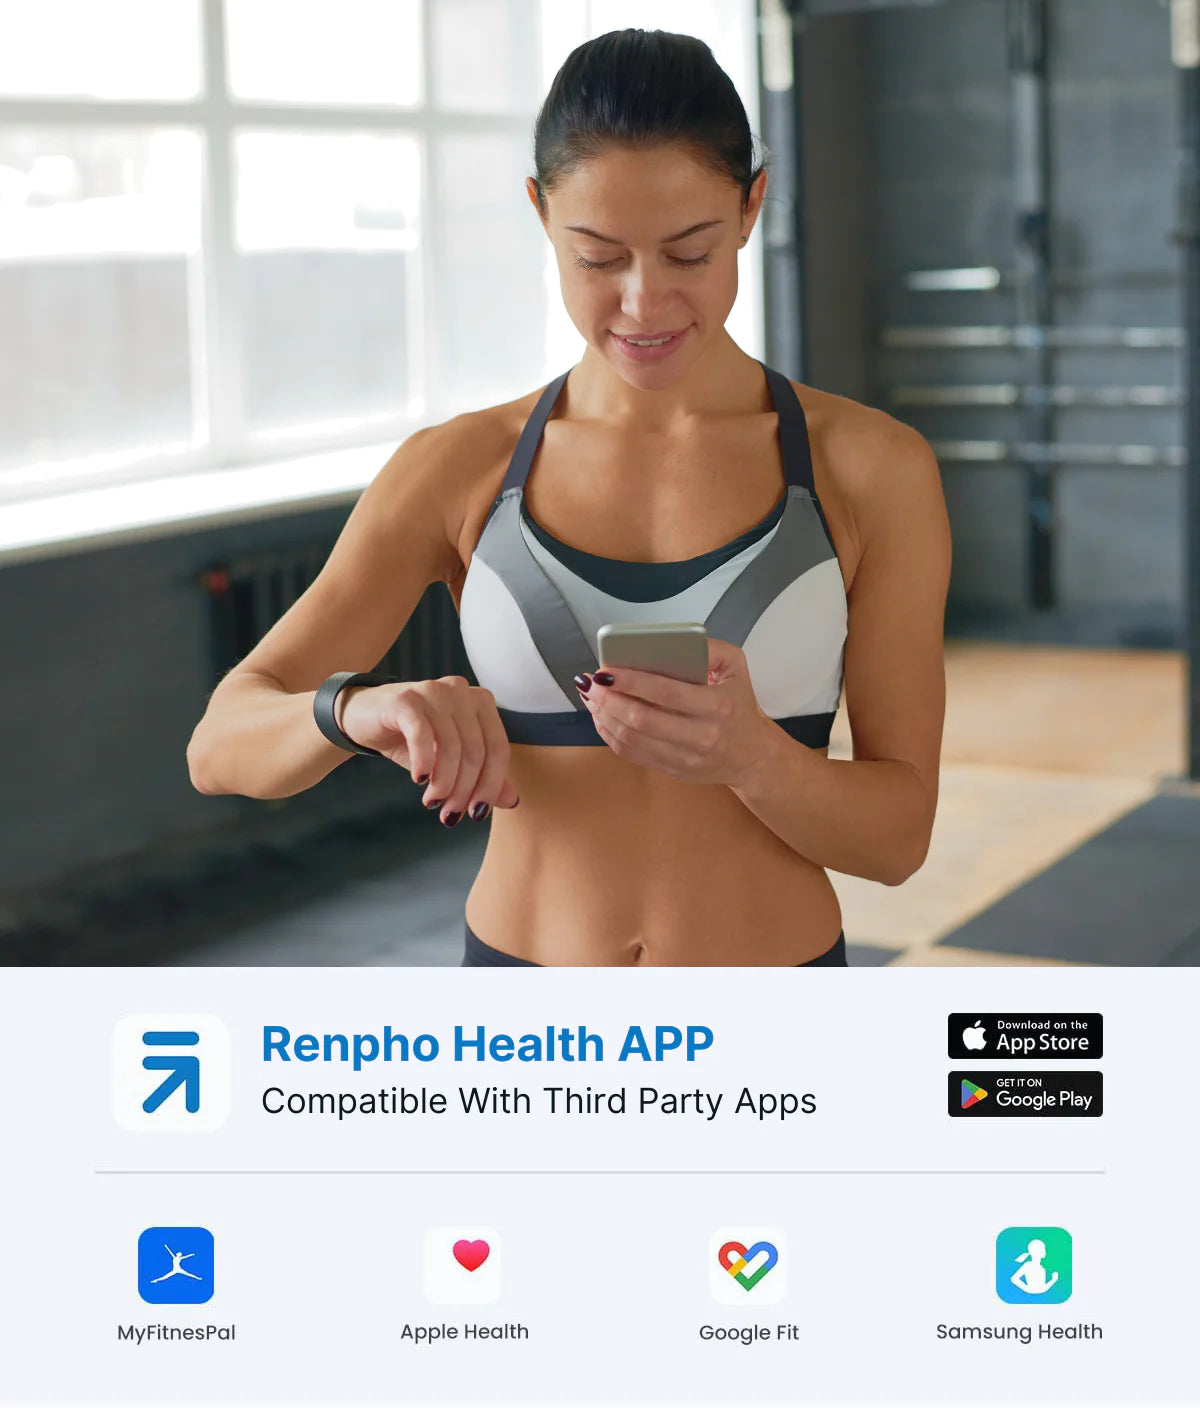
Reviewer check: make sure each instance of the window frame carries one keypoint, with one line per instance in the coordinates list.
(95, 507)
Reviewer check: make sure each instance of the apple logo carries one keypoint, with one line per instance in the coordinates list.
(974, 1038)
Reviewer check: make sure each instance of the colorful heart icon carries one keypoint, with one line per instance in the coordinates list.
(735, 1257)
(471, 1255)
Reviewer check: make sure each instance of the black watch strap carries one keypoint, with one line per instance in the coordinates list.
(326, 697)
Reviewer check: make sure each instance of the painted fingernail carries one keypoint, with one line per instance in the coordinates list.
(480, 810)
(603, 678)
(434, 803)
(451, 818)
(583, 683)
(423, 779)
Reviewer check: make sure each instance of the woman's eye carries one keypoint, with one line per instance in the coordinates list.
(607, 263)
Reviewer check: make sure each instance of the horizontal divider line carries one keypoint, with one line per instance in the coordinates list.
(597, 1172)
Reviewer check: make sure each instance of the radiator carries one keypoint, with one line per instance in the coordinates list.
(249, 593)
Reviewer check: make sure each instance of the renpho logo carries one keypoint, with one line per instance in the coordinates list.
(170, 1073)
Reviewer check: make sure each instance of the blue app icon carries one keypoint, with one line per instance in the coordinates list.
(175, 1265)
(181, 1070)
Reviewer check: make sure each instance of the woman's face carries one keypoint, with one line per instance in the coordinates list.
(647, 243)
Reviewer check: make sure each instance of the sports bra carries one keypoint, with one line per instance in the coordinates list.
(531, 606)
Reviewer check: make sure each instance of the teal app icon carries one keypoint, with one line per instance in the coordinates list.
(1033, 1265)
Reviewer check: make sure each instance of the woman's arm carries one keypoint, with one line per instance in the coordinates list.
(258, 737)
(873, 816)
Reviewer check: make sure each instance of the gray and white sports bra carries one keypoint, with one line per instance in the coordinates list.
(531, 606)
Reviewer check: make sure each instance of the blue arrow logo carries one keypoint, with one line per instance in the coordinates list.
(184, 1070)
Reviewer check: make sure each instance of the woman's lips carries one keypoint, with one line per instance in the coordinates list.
(649, 354)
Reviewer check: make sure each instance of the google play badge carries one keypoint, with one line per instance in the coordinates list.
(972, 1094)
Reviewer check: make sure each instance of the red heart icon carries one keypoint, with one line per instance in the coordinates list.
(471, 1255)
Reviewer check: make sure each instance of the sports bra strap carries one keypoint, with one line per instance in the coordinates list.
(522, 456)
(793, 433)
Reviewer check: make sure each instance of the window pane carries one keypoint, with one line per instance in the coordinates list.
(97, 227)
(325, 51)
(134, 49)
(488, 319)
(326, 224)
(485, 55)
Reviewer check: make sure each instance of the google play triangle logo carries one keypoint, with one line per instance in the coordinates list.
(972, 1094)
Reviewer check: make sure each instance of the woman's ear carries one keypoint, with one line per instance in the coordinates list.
(534, 191)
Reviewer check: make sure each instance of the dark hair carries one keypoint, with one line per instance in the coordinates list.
(639, 88)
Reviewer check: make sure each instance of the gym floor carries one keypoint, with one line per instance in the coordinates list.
(1064, 835)
(1064, 832)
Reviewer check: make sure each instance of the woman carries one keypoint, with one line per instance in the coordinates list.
(659, 822)
(1031, 1276)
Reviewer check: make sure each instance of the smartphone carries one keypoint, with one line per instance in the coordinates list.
(675, 648)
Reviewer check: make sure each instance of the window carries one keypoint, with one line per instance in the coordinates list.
(300, 230)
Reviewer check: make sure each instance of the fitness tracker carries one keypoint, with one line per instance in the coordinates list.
(326, 697)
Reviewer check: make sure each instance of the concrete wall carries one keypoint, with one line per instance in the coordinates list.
(106, 670)
(836, 196)
(909, 159)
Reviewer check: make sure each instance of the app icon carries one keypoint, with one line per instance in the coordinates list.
(1033, 1265)
(175, 1265)
(746, 1265)
(462, 1265)
(974, 1038)
(471, 1255)
(972, 1094)
(170, 1073)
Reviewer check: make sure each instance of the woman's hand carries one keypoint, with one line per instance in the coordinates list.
(712, 732)
(446, 732)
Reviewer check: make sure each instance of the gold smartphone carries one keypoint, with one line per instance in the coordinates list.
(675, 648)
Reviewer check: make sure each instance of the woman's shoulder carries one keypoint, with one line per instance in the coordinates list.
(864, 458)
(461, 453)
(458, 465)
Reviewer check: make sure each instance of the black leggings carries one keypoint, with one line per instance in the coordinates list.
(481, 955)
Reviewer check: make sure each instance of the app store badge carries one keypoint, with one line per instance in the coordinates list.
(746, 1265)
(1025, 1036)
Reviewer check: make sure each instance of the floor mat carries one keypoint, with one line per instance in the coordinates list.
(1130, 895)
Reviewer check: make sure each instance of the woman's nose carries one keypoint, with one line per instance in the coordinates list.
(644, 291)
